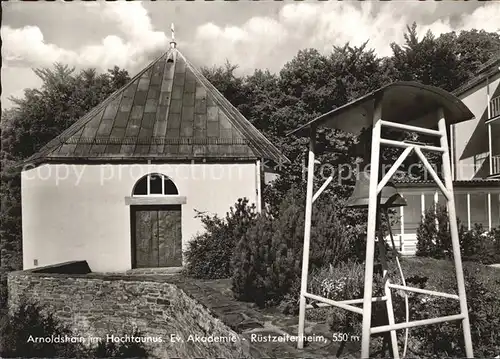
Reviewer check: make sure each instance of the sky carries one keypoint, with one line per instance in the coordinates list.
(251, 34)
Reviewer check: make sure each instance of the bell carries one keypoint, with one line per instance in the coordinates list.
(390, 197)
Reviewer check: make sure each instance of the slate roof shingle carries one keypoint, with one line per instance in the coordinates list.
(168, 111)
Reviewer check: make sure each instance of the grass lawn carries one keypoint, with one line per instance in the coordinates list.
(441, 273)
(438, 275)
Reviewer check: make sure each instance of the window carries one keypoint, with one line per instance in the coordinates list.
(155, 184)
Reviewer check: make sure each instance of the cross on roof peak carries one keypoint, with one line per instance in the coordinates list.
(172, 42)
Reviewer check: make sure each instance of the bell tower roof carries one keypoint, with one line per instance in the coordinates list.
(405, 102)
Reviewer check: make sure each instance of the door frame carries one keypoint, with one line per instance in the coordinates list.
(133, 209)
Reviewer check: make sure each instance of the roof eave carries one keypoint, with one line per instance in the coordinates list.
(57, 141)
(456, 183)
(444, 97)
(305, 128)
(476, 81)
(134, 159)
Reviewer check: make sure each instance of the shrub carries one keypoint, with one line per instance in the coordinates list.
(290, 302)
(470, 240)
(28, 321)
(434, 240)
(251, 262)
(342, 282)
(268, 258)
(478, 245)
(328, 281)
(484, 313)
(346, 281)
(446, 339)
(496, 236)
(209, 254)
(3, 288)
(333, 239)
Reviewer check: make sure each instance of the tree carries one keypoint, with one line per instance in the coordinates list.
(261, 93)
(224, 79)
(313, 83)
(447, 61)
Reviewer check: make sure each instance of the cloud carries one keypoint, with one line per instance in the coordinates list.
(24, 48)
(133, 19)
(486, 18)
(269, 42)
(260, 42)
(14, 80)
(259, 38)
(27, 46)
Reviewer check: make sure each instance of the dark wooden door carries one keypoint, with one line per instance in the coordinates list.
(157, 240)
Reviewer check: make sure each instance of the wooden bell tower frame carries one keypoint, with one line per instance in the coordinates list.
(375, 188)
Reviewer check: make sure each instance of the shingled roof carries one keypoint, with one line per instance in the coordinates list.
(168, 111)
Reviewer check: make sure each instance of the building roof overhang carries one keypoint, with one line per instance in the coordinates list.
(490, 69)
(404, 102)
(473, 183)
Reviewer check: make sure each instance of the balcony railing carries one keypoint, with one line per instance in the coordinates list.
(495, 165)
(494, 107)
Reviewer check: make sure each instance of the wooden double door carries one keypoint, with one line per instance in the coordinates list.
(156, 236)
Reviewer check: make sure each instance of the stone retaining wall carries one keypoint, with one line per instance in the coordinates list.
(100, 305)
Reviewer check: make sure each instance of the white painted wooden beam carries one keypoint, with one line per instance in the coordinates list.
(468, 211)
(489, 212)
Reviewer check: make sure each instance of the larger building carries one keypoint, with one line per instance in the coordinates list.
(475, 150)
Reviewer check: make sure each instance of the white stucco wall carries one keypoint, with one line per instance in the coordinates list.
(78, 212)
(476, 100)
